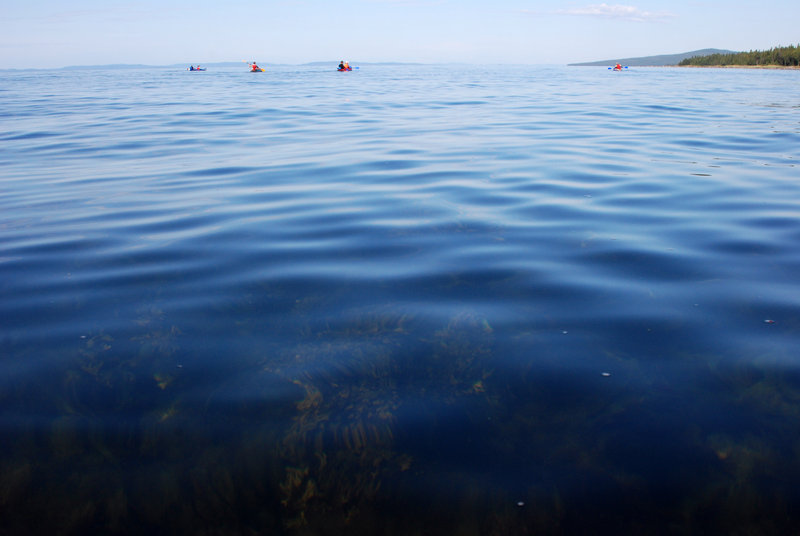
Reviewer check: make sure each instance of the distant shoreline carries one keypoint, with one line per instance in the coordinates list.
(774, 67)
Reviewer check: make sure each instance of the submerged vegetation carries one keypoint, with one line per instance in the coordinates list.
(778, 56)
(331, 434)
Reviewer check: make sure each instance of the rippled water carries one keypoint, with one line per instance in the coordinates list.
(401, 300)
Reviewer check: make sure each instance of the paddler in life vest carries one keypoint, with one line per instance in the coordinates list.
(254, 67)
(341, 65)
(347, 66)
(618, 67)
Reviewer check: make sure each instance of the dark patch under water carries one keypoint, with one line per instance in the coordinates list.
(540, 300)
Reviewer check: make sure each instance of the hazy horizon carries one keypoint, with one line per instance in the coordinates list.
(50, 34)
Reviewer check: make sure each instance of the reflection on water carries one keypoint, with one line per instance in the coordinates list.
(404, 302)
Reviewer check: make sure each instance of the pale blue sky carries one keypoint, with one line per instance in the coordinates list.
(57, 33)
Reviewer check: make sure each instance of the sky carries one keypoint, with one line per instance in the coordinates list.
(59, 33)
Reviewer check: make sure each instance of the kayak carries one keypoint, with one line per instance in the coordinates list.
(259, 70)
(196, 69)
(348, 69)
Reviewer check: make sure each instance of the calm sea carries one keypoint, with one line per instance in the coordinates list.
(400, 300)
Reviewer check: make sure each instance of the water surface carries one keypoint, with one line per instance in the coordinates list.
(399, 300)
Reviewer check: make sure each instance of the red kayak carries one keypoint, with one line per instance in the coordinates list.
(348, 69)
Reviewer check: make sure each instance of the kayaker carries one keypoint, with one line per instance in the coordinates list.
(341, 65)
(254, 67)
(618, 67)
(347, 65)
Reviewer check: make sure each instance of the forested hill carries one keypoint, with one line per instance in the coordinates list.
(655, 61)
(778, 56)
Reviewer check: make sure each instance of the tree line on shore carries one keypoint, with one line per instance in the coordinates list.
(778, 56)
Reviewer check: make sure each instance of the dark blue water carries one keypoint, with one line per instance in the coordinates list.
(401, 300)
